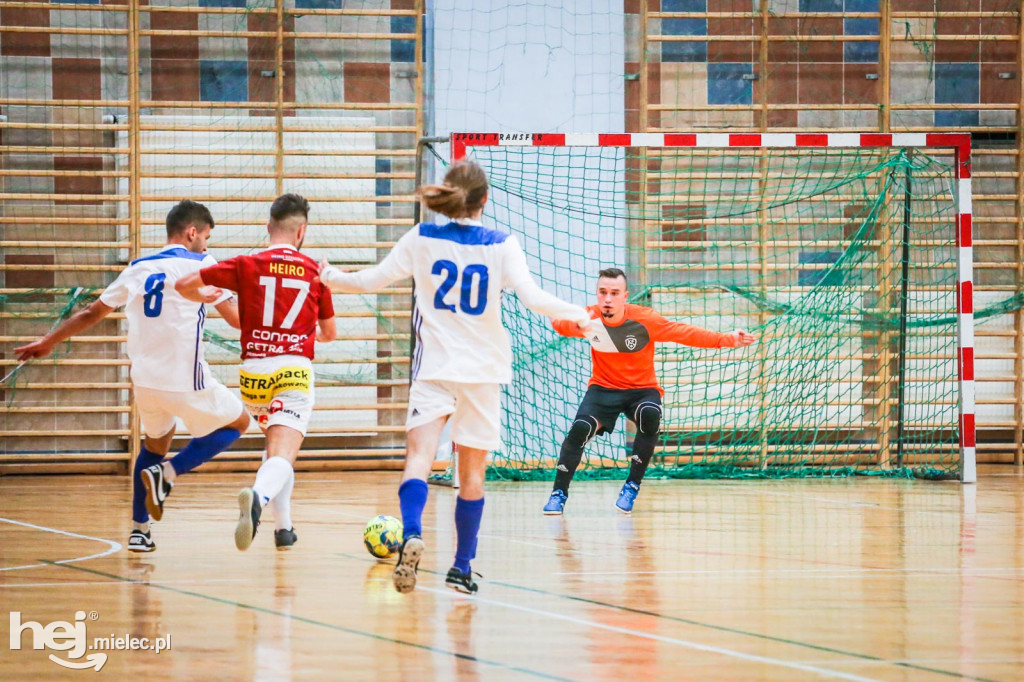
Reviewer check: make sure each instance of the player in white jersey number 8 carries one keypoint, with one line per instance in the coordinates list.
(170, 377)
(462, 354)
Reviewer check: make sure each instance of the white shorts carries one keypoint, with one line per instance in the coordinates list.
(475, 410)
(202, 411)
(278, 390)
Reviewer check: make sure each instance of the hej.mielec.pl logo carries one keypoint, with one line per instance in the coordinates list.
(72, 637)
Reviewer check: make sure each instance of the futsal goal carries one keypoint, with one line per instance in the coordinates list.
(848, 255)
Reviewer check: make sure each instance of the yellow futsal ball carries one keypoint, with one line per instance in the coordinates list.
(383, 536)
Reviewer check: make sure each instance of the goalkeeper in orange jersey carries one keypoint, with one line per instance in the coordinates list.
(623, 381)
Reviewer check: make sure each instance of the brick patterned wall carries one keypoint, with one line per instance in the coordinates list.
(68, 193)
(723, 77)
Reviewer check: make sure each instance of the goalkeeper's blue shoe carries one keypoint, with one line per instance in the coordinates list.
(555, 503)
(627, 496)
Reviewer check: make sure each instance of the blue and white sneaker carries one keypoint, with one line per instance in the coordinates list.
(627, 496)
(555, 503)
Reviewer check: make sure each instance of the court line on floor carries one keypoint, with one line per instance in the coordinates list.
(753, 658)
(756, 635)
(822, 572)
(114, 546)
(975, 661)
(842, 565)
(310, 621)
(107, 582)
(710, 626)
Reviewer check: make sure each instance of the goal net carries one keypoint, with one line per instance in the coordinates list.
(842, 253)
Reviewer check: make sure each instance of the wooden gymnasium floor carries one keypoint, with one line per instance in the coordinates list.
(775, 580)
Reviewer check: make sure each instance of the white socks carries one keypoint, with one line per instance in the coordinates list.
(271, 479)
(282, 503)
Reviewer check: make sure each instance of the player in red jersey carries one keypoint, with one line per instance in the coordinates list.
(283, 306)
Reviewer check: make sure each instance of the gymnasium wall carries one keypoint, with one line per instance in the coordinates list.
(113, 110)
(871, 65)
(494, 70)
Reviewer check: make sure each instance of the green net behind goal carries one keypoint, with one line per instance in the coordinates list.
(841, 261)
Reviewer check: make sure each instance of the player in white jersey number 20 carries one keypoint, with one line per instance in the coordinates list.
(170, 376)
(462, 353)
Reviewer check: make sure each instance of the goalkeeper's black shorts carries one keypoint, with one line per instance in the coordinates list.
(606, 404)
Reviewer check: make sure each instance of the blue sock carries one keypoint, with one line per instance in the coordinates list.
(412, 498)
(467, 524)
(145, 459)
(203, 449)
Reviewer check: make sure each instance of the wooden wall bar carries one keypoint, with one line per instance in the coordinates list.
(896, 69)
(112, 112)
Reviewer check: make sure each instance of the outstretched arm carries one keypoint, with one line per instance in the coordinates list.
(72, 326)
(519, 279)
(698, 337)
(743, 337)
(361, 282)
(569, 328)
(395, 266)
(191, 287)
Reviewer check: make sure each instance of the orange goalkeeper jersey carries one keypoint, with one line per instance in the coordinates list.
(623, 354)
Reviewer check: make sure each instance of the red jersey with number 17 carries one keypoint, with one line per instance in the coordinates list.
(280, 300)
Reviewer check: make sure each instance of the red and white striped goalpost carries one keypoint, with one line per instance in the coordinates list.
(960, 143)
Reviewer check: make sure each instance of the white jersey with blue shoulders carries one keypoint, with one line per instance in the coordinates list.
(459, 269)
(165, 330)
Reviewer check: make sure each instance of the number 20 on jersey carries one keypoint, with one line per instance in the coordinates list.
(472, 277)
